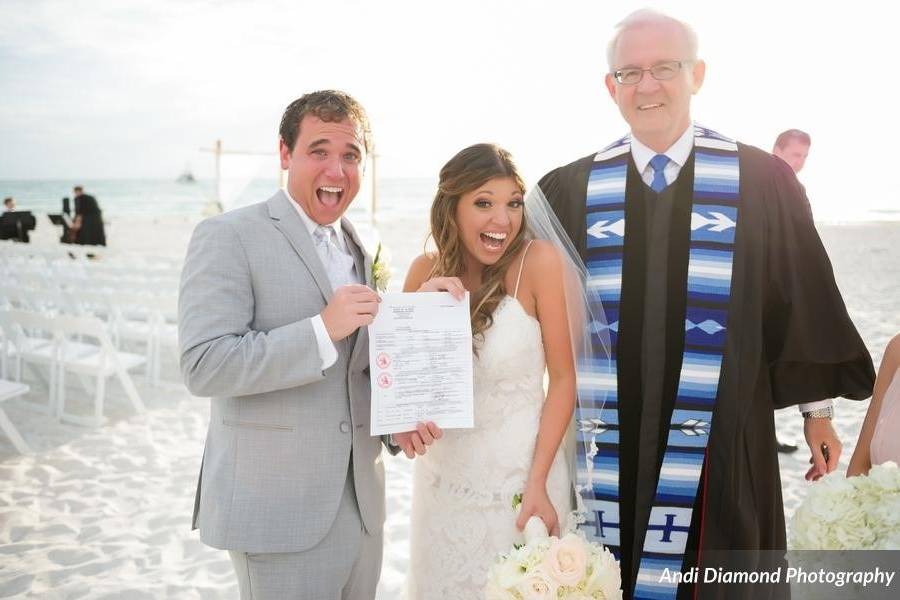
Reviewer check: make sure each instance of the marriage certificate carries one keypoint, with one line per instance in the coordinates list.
(420, 362)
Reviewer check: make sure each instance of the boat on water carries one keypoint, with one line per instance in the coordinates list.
(186, 177)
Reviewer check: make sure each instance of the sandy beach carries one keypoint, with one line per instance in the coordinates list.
(105, 512)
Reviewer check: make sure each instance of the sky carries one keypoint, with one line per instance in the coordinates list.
(134, 88)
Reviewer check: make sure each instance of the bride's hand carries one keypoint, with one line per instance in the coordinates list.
(415, 442)
(444, 284)
(536, 502)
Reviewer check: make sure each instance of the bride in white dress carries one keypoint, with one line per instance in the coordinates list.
(463, 489)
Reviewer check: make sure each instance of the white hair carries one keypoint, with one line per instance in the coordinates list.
(649, 16)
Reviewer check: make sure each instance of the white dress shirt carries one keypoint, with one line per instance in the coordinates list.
(327, 351)
(678, 154)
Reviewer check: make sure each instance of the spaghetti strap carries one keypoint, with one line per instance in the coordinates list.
(521, 266)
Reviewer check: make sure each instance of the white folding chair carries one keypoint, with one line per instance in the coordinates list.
(8, 390)
(102, 362)
(29, 339)
(135, 319)
(160, 311)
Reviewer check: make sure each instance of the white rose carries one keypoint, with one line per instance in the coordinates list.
(508, 574)
(537, 586)
(566, 560)
(493, 591)
(605, 576)
(535, 529)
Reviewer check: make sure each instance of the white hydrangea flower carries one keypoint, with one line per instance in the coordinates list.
(857, 513)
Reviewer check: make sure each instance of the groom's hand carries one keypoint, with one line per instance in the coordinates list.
(351, 307)
(415, 442)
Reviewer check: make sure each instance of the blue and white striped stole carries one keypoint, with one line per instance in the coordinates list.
(713, 222)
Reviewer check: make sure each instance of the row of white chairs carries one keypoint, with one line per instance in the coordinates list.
(67, 275)
(131, 319)
(97, 255)
(92, 268)
(38, 251)
(134, 284)
(42, 282)
(67, 344)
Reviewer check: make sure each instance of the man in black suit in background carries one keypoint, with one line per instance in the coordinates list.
(88, 224)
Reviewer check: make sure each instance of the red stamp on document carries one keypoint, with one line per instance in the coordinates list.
(383, 360)
(385, 381)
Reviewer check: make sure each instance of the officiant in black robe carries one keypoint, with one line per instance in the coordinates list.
(789, 338)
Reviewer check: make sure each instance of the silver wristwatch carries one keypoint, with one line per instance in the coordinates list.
(820, 413)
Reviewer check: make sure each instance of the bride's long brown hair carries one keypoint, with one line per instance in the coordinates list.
(467, 171)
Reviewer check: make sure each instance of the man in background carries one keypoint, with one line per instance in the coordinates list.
(88, 224)
(792, 146)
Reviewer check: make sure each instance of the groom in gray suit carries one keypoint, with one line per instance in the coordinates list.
(274, 299)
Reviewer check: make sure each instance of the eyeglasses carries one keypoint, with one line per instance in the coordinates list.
(660, 72)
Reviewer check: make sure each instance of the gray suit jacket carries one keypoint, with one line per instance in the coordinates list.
(281, 430)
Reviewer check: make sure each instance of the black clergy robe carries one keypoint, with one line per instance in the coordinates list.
(789, 341)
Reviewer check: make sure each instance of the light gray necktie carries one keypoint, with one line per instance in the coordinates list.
(338, 264)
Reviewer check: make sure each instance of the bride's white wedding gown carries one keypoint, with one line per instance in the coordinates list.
(463, 487)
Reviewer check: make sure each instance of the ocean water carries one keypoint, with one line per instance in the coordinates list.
(396, 197)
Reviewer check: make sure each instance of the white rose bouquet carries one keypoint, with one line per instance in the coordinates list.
(855, 513)
(545, 567)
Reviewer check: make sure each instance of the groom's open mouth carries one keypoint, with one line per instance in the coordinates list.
(651, 106)
(330, 196)
(493, 240)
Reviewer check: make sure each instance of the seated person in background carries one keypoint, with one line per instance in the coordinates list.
(879, 438)
(15, 225)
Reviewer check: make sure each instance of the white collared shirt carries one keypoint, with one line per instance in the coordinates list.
(678, 154)
(311, 225)
(327, 351)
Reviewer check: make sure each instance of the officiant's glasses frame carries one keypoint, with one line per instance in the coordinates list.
(661, 72)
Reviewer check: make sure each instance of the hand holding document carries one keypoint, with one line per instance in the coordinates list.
(420, 362)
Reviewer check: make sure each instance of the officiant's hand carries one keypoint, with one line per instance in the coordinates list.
(351, 307)
(536, 503)
(415, 442)
(819, 432)
(445, 284)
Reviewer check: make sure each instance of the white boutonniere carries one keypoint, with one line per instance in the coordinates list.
(381, 272)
